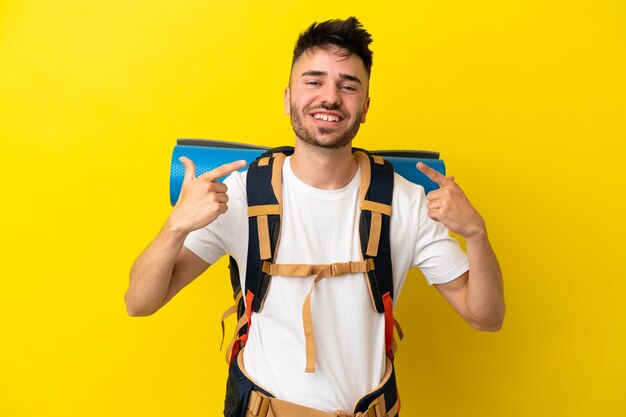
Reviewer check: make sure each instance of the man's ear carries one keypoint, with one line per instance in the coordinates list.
(287, 102)
(366, 107)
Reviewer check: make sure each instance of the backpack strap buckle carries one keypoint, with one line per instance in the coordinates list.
(339, 268)
(258, 404)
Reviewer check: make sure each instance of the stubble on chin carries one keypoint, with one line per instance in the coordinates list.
(313, 138)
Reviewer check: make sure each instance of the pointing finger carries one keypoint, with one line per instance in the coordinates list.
(223, 170)
(190, 169)
(435, 176)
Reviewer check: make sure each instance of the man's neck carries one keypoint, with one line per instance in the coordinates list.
(326, 169)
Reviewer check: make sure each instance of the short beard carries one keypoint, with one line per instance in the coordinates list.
(307, 136)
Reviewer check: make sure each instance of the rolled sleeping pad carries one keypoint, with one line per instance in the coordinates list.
(210, 154)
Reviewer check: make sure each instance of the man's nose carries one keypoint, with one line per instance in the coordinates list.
(331, 97)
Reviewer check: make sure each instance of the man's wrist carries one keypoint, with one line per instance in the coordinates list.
(477, 235)
(175, 229)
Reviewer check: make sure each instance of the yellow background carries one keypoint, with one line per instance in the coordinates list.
(525, 100)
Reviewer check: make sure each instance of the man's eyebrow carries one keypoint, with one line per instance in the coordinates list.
(314, 73)
(350, 78)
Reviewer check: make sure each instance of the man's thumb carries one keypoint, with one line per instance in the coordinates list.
(190, 169)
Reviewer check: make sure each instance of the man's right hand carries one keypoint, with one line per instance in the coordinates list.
(202, 199)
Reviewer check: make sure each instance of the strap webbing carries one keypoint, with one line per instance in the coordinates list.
(398, 329)
(377, 209)
(321, 271)
(229, 312)
(375, 228)
(378, 159)
(261, 212)
(229, 350)
(265, 249)
(254, 211)
(245, 319)
(260, 405)
(277, 179)
(307, 318)
(304, 270)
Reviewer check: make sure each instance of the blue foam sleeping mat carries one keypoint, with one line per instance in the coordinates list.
(210, 154)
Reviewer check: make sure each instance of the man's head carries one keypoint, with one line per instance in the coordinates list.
(327, 96)
(349, 35)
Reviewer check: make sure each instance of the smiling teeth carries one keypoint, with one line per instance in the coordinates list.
(326, 117)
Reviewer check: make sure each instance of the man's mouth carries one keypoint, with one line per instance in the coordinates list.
(327, 117)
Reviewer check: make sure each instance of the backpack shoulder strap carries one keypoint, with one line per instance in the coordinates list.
(264, 191)
(375, 197)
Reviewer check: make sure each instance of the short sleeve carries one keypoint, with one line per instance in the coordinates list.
(217, 239)
(437, 254)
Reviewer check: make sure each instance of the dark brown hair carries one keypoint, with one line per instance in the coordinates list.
(349, 35)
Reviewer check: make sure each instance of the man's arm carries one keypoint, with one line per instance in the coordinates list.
(478, 294)
(165, 266)
(162, 270)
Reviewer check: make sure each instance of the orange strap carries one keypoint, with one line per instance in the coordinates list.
(229, 350)
(388, 304)
(244, 338)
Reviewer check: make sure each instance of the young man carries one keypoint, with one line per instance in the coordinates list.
(327, 100)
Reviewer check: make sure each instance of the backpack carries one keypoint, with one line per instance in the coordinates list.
(264, 193)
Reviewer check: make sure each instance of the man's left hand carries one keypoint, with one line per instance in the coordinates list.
(450, 206)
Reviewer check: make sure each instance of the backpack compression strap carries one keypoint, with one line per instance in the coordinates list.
(320, 272)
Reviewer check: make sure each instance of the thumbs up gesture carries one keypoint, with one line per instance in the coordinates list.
(450, 206)
(202, 199)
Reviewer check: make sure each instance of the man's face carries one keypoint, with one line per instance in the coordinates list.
(327, 97)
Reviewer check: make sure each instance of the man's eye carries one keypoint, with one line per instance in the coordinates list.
(348, 88)
(312, 82)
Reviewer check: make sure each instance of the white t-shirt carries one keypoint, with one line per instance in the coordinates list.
(321, 227)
